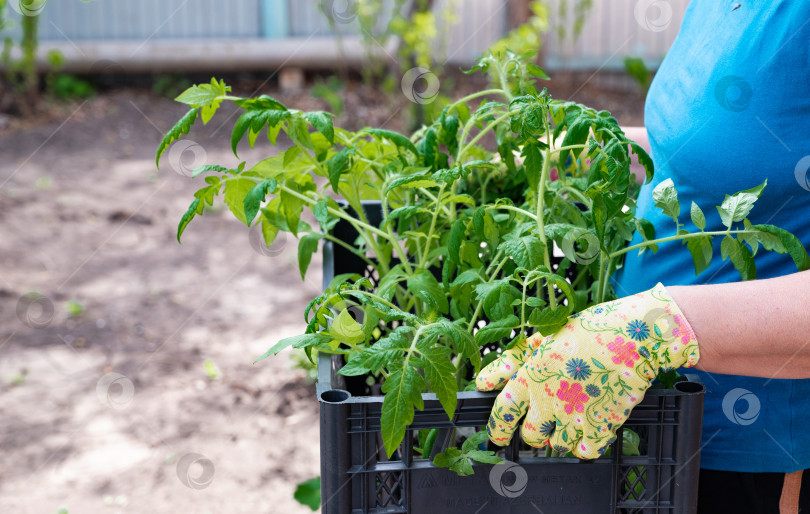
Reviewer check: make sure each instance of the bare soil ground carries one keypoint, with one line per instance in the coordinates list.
(110, 409)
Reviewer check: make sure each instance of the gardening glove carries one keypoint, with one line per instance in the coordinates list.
(579, 384)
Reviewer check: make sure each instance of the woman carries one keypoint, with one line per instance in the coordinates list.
(729, 108)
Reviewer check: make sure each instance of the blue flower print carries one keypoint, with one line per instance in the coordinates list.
(638, 330)
(593, 391)
(578, 369)
(547, 428)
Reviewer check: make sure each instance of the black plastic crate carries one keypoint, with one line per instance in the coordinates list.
(356, 476)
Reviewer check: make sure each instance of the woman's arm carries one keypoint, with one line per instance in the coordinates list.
(639, 135)
(759, 328)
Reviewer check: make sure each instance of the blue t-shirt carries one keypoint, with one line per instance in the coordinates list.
(730, 107)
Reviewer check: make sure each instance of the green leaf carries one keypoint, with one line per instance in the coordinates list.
(262, 103)
(183, 126)
(497, 296)
(666, 198)
(388, 282)
(255, 121)
(532, 164)
(425, 287)
(300, 341)
(472, 442)
(740, 256)
(697, 216)
(497, 330)
(462, 340)
(645, 160)
(448, 176)
(336, 166)
(207, 167)
(404, 212)
(309, 493)
(527, 251)
(789, 244)
(561, 283)
(321, 212)
(207, 96)
(646, 229)
(395, 137)
(427, 438)
(735, 208)
(322, 121)
(353, 368)
(387, 350)
(269, 232)
(292, 207)
(195, 208)
(440, 374)
(345, 329)
(429, 147)
(470, 276)
(236, 191)
(576, 134)
(630, 442)
(485, 226)
(757, 190)
(255, 197)
(459, 460)
(469, 254)
(456, 237)
(484, 456)
(403, 392)
(299, 131)
(449, 132)
(453, 459)
(412, 182)
(701, 250)
(199, 95)
(549, 321)
(307, 246)
(537, 71)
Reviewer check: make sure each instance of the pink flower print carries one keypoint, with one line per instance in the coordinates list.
(508, 396)
(573, 397)
(625, 351)
(683, 330)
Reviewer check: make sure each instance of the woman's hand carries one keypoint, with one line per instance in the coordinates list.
(577, 386)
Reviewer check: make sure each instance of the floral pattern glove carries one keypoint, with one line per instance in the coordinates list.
(577, 386)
